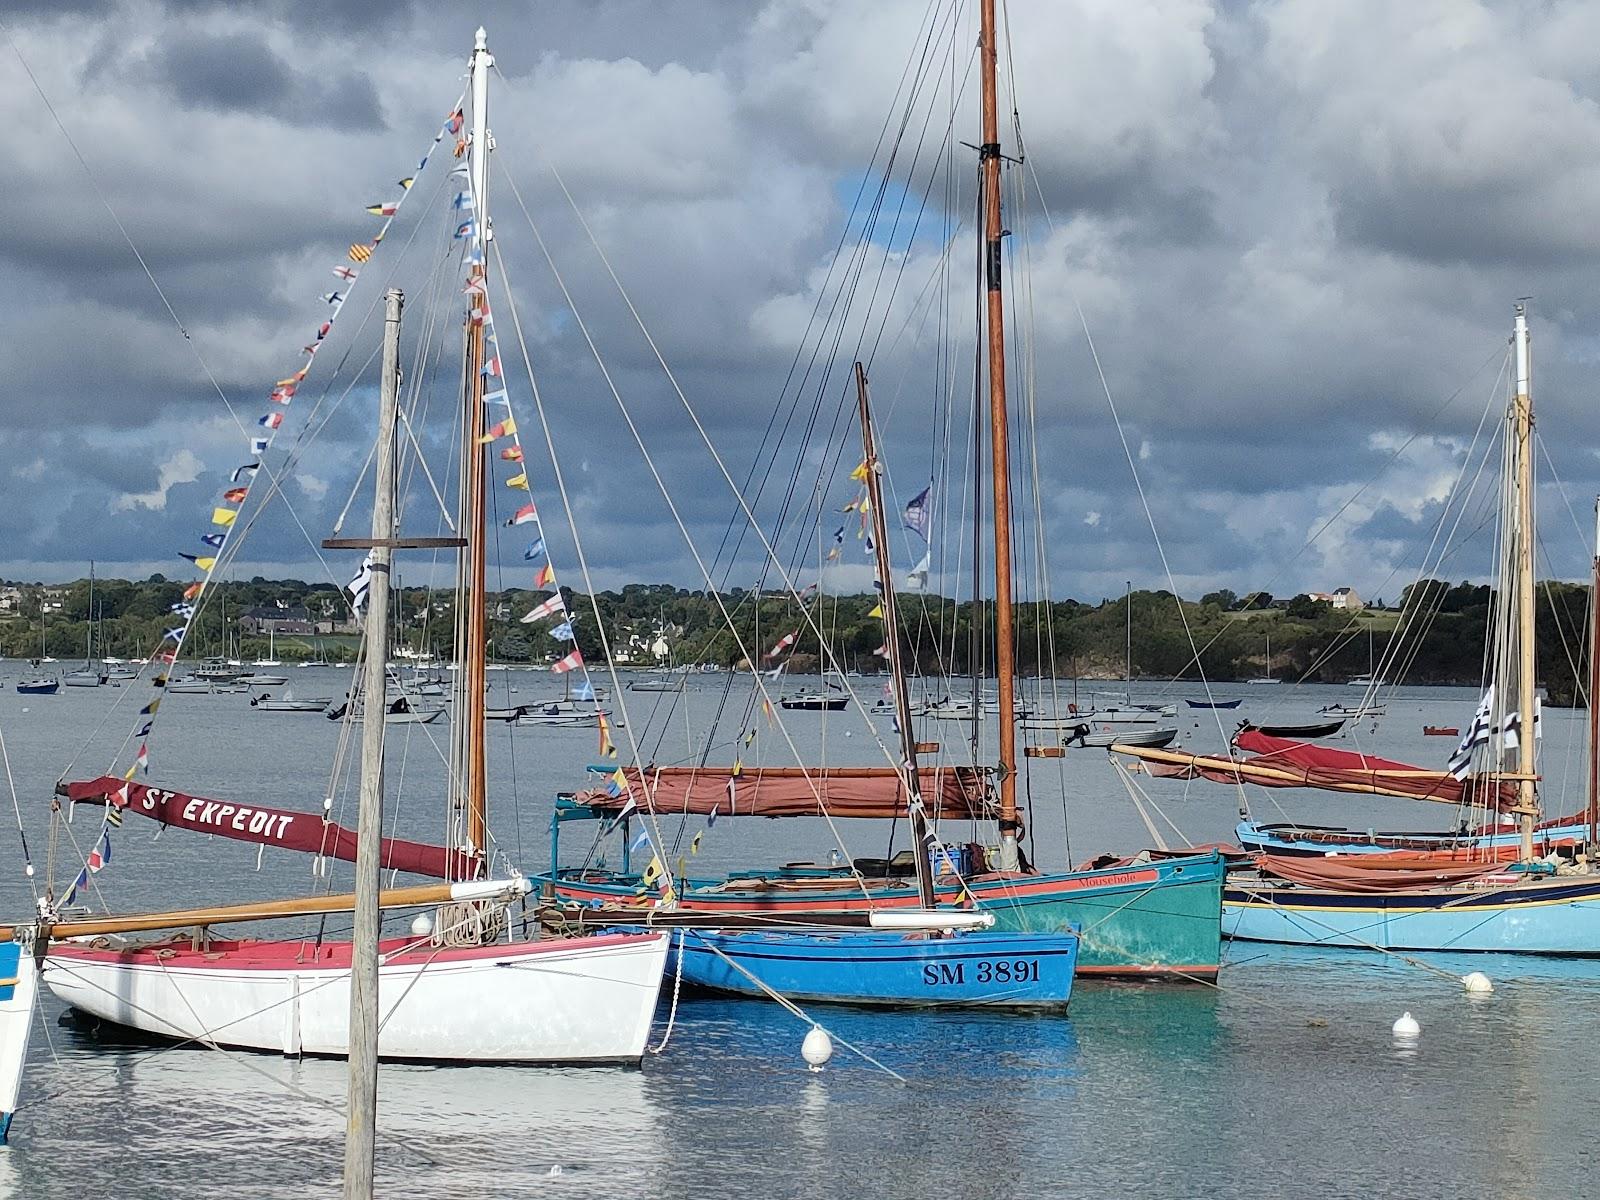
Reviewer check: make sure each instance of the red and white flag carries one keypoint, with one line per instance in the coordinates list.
(784, 643)
(548, 608)
(570, 663)
(523, 515)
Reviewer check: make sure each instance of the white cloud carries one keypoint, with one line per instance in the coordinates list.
(1091, 518)
(183, 467)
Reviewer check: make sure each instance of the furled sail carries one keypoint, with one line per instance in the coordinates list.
(1374, 872)
(283, 827)
(1284, 762)
(960, 793)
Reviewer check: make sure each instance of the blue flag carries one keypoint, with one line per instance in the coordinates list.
(562, 632)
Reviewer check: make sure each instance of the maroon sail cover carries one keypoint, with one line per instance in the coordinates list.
(958, 792)
(1352, 873)
(283, 827)
(1285, 762)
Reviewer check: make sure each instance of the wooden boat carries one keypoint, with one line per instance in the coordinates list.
(464, 986)
(896, 970)
(1213, 703)
(1093, 738)
(1315, 729)
(1440, 731)
(1466, 898)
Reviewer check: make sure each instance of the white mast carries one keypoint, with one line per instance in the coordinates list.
(1527, 806)
(482, 60)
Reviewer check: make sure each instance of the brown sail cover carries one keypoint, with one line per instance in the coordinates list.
(1285, 762)
(282, 827)
(1359, 873)
(958, 792)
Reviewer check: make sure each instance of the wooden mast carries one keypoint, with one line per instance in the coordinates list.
(999, 437)
(475, 627)
(920, 835)
(1594, 690)
(361, 1113)
(1527, 806)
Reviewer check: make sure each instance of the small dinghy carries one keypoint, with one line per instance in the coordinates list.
(1440, 731)
(1316, 729)
(1085, 735)
(1214, 703)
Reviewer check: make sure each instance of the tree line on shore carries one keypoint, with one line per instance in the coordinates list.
(1439, 630)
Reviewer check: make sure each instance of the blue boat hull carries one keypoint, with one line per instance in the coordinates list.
(1559, 916)
(38, 689)
(971, 969)
(1214, 703)
(1319, 840)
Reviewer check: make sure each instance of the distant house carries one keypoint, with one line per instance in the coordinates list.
(10, 599)
(289, 619)
(1346, 598)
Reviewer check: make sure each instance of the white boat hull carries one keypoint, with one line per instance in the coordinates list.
(588, 1000)
(18, 993)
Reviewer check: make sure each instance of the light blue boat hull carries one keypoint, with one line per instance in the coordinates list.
(1559, 917)
(1318, 840)
(970, 969)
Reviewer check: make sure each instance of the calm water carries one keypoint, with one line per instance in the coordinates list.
(1285, 1081)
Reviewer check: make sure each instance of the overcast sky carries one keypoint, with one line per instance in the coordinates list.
(1295, 231)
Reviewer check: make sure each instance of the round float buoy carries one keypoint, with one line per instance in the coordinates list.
(1477, 984)
(817, 1049)
(1407, 1027)
(555, 1169)
(422, 925)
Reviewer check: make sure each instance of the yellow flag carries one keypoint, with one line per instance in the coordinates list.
(360, 253)
(652, 871)
(518, 481)
(223, 516)
(694, 842)
(205, 564)
(860, 473)
(877, 611)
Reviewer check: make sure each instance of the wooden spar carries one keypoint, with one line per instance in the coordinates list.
(258, 910)
(361, 1112)
(1594, 689)
(999, 439)
(473, 711)
(1527, 806)
(920, 835)
(1251, 772)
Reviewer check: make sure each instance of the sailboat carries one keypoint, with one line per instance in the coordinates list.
(1523, 889)
(939, 959)
(1151, 919)
(463, 985)
(1267, 679)
(91, 674)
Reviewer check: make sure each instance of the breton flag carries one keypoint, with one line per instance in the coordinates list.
(570, 663)
(346, 273)
(499, 430)
(361, 585)
(385, 209)
(548, 608)
(271, 421)
(917, 577)
(523, 515)
(784, 643)
(1460, 764)
(918, 513)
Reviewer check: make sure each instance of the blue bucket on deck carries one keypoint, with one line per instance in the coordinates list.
(950, 857)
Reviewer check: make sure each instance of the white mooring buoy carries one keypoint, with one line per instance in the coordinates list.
(817, 1049)
(1407, 1027)
(422, 925)
(1477, 984)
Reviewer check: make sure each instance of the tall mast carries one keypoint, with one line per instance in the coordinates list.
(1527, 806)
(999, 438)
(473, 495)
(361, 1118)
(920, 835)
(1594, 689)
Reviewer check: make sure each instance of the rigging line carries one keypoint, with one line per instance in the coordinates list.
(652, 820)
(16, 807)
(694, 419)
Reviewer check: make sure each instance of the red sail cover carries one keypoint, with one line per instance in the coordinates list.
(958, 792)
(1285, 762)
(1390, 873)
(282, 827)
